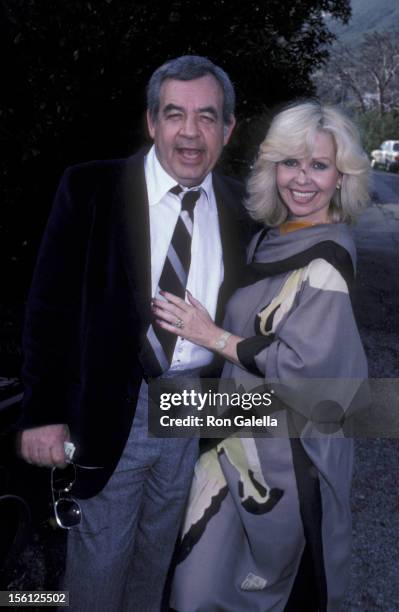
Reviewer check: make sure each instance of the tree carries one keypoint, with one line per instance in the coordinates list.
(375, 129)
(73, 83)
(366, 77)
(84, 64)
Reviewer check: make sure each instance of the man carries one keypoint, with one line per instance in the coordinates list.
(90, 344)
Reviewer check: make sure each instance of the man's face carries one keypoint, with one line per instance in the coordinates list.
(189, 133)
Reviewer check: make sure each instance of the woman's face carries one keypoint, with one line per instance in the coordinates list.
(306, 185)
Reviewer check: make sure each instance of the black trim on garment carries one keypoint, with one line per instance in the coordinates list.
(261, 237)
(330, 251)
(302, 597)
(311, 511)
(269, 321)
(248, 348)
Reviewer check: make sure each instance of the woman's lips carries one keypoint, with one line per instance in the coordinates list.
(302, 197)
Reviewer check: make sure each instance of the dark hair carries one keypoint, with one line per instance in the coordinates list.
(187, 68)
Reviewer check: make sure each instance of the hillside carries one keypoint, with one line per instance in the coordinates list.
(367, 15)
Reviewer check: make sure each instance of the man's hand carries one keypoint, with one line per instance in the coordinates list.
(44, 446)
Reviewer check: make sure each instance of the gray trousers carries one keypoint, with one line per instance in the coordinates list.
(118, 558)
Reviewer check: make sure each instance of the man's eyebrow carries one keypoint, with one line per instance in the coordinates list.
(172, 107)
(206, 109)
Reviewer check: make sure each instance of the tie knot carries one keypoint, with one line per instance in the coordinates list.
(189, 200)
(176, 190)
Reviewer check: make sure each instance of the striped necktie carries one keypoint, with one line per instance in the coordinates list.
(160, 344)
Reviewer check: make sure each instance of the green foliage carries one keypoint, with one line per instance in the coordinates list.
(375, 129)
(79, 59)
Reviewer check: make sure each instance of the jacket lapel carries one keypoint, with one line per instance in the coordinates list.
(134, 234)
(229, 206)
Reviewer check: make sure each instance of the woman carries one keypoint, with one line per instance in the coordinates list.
(268, 520)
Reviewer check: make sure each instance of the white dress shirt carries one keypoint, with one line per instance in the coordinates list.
(206, 268)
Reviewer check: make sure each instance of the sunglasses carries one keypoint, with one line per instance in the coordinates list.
(67, 511)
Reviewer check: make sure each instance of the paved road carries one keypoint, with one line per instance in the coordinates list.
(375, 501)
(386, 187)
(377, 290)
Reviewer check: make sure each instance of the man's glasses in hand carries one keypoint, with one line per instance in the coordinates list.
(67, 511)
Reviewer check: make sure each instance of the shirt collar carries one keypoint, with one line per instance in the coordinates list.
(159, 182)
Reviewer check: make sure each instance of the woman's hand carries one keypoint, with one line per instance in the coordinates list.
(191, 321)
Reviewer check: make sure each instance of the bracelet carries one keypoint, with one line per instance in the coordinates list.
(221, 342)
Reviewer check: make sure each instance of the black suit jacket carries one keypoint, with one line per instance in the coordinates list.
(89, 306)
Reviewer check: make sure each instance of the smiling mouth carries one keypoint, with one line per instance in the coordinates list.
(302, 196)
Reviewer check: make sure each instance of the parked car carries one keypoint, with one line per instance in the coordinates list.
(387, 156)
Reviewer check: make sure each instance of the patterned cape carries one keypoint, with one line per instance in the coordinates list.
(260, 506)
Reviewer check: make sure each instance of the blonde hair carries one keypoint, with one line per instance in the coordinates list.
(291, 135)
